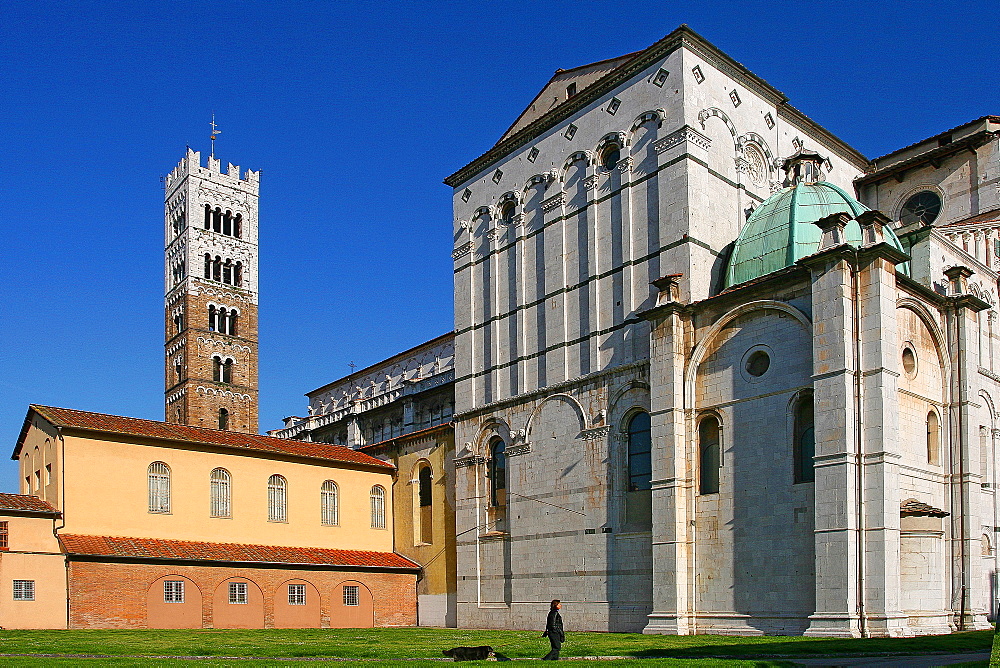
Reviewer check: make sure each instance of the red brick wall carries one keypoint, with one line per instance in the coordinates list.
(112, 595)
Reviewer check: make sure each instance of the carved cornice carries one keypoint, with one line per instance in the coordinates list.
(516, 450)
(624, 165)
(462, 250)
(685, 134)
(595, 433)
(554, 202)
(591, 182)
(469, 461)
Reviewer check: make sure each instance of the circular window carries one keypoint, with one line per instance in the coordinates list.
(758, 363)
(507, 213)
(610, 157)
(909, 362)
(923, 208)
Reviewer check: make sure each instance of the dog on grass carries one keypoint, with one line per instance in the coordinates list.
(469, 653)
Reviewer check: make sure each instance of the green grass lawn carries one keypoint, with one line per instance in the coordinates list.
(422, 643)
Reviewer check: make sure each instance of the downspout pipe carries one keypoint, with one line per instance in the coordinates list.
(858, 444)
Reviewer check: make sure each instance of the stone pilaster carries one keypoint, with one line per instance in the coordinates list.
(837, 478)
(672, 471)
(882, 450)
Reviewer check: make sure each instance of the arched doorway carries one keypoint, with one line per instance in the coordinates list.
(296, 605)
(238, 603)
(352, 606)
(173, 602)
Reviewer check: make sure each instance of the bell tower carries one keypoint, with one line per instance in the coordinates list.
(210, 227)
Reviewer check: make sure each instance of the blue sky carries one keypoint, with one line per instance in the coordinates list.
(355, 112)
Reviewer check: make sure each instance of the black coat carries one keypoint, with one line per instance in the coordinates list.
(554, 627)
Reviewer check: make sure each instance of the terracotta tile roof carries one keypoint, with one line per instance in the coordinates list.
(115, 424)
(24, 502)
(153, 548)
(988, 217)
(914, 507)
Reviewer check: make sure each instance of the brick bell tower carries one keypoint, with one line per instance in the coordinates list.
(210, 221)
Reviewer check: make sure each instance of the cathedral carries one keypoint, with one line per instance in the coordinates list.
(718, 372)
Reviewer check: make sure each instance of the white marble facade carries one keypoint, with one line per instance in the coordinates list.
(647, 168)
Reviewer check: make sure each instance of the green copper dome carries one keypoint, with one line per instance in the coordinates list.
(782, 231)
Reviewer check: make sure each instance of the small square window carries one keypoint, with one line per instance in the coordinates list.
(660, 78)
(613, 105)
(296, 594)
(735, 97)
(570, 90)
(173, 591)
(497, 175)
(466, 195)
(24, 590)
(238, 593)
(532, 154)
(351, 595)
(698, 75)
(570, 131)
(769, 119)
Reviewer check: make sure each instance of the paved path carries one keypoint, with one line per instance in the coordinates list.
(920, 661)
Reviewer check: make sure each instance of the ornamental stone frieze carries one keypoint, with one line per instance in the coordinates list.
(554, 202)
(591, 182)
(685, 134)
(462, 250)
(595, 433)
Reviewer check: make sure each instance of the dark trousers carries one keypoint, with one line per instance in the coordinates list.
(553, 654)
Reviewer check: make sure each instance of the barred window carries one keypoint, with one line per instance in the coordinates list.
(351, 595)
(378, 507)
(296, 594)
(159, 487)
(24, 590)
(3, 535)
(173, 591)
(277, 502)
(220, 493)
(328, 503)
(238, 593)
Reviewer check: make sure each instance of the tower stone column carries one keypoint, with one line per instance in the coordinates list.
(672, 477)
(211, 295)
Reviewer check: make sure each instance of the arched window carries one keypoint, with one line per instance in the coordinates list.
(223, 321)
(640, 466)
(227, 371)
(507, 213)
(217, 369)
(208, 265)
(227, 272)
(208, 217)
(610, 157)
(227, 223)
(233, 315)
(277, 500)
(211, 318)
(933, 438)
(425, 499)
(217, 269)
(328, 503)
(498, 473)
(804, 446)
(158, 474)
(238, 226)
(220, 493)
(223, 419)
(709, 459)
(238, 275)
(378, 507)
(217, 220)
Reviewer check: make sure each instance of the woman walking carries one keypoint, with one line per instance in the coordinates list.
(554, 631)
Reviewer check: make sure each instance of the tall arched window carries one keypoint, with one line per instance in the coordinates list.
(277, 500)
(211, 318)
(227, 371)
(233, 315)
(640, 466)
(217, 269)
(227, 272)
(158, 474)
(208, 265)
(709, 459)
(220, 493)
(933, 438)
(217, 220)
(217, 368)
(223, 419)
(378, 507)
(425, 499)
(328, 503)
(498, 473)
(804, 446)
(208, 218)
(227, 223)
(238, 275)
(223, 324)
(238, 226)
